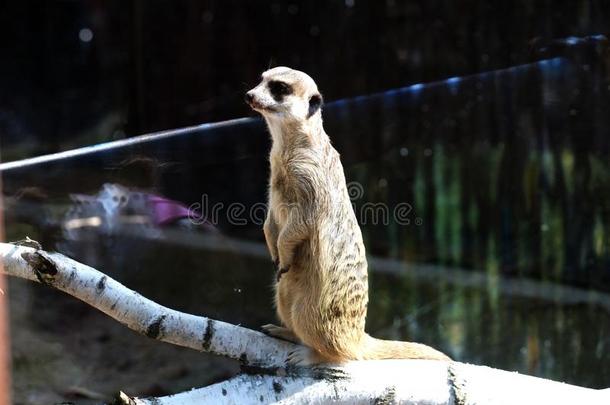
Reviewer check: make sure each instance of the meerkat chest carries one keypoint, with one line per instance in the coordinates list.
(278, 205)
(282, 180)
(281, 195)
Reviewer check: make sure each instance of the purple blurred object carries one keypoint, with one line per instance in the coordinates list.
(165, 211)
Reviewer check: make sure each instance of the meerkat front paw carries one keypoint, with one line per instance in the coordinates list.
(280, 332)
(285, 259)
(304, 356)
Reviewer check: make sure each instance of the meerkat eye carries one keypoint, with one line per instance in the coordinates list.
(279, 89)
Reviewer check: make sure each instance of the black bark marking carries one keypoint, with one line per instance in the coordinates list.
(155, 329)
(388, 397)
(336, 391)
(224, 392)
(44, 269)
(208, 335)
(243, 359)
(329, 374)
(277, 387)
(458, 387)
(101, 285)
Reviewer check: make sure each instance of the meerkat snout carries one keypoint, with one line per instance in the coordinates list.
(249, 98)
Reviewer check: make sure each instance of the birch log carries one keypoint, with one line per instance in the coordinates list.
(413, 382)
(252, 348)
(265, 378)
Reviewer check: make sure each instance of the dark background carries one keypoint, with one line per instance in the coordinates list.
(153, 65)
(506, 261)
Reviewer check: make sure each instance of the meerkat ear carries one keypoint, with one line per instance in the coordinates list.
(315, 103)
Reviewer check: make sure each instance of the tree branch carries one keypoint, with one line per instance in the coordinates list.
(415, 382)
(252, 348)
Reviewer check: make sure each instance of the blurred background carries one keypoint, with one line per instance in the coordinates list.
(477, 129)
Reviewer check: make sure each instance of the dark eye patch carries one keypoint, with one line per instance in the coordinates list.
(279, 89)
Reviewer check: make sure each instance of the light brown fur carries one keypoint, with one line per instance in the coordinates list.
(312, 233)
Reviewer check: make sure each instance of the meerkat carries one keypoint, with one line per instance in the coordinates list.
(321, 288)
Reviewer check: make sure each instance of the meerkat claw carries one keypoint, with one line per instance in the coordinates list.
(280, 272)
(269, 329)
(302, 356)
(280, 332)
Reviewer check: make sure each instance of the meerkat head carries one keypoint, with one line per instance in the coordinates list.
(285, 94)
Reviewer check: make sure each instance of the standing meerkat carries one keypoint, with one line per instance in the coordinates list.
(321, 293)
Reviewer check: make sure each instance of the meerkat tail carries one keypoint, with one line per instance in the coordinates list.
(379, 349)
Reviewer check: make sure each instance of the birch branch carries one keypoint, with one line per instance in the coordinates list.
(140, 314)
(412, 382)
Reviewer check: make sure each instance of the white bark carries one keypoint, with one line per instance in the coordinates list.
(363, 382)
(415, 382)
